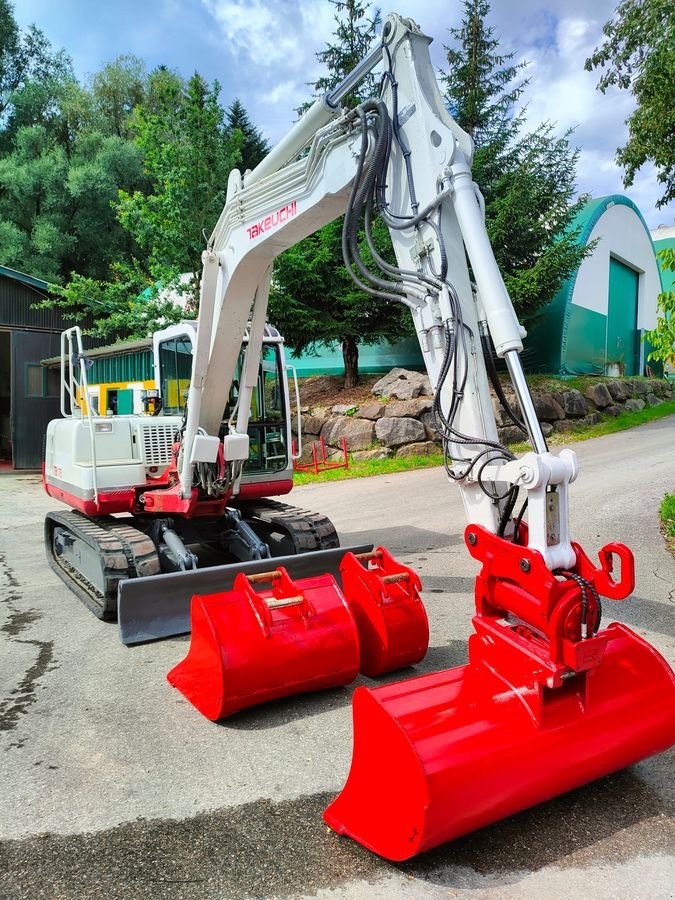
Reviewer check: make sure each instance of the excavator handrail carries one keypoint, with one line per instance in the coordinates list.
(70, 385)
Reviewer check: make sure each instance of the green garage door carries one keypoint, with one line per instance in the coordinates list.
(623, 344)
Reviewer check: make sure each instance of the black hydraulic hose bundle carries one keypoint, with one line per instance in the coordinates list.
(486, 344)
(369, 193)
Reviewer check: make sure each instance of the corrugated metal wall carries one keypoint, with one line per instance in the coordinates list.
(17, 310)
(136, 366)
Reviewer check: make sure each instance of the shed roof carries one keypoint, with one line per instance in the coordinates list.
(6, 272)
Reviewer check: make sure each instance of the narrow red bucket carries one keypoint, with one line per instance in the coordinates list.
(385, 599)
(444, 754)
(248, 647)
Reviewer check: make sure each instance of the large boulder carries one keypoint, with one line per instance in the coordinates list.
(343, 409)
(619, 390)
(501, 416)
(641, 388)
(370, 411)
(393, 431)
(411, 408)
(634, 405)
(427, 419)
(360, 433)
(511, 435)
(547, 408)
(653, 400)
(402, 384)
(599, 395)
(375, 453)
(658, 386)
(575, 404)
(419, 448)
(313, 424)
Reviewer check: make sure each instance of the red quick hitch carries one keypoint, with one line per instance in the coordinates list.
(539, 709)
(384, 597)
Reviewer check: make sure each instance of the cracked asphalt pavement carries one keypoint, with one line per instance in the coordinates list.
(113, 786)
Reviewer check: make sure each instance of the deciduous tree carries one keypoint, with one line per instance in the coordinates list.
(188, 155)
(638, 55)
(662, 338)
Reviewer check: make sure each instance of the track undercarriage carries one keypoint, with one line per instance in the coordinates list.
(92, 555)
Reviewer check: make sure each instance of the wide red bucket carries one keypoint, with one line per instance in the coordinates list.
(444, 754)
(384, 596)
(249, 647)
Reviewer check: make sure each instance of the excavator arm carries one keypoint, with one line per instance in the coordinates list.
(547, 701)
(401, 156)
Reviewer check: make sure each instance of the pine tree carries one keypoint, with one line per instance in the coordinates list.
(527, 179)
(254, 147)
(355, 34)
(313, 298)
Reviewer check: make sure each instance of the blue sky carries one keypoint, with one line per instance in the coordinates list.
(263, 51)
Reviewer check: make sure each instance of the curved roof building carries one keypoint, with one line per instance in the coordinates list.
(594, 324)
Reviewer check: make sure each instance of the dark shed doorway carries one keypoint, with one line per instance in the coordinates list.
(34, 395)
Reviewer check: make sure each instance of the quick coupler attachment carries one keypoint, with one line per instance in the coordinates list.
(384, 597)
(548, 702)
(251, 645)
(439, 756)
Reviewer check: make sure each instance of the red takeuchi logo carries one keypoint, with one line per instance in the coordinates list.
(276, 218)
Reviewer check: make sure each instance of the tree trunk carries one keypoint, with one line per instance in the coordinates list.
(350, 355)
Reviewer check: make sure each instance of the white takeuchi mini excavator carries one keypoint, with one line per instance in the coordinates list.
(548, 699)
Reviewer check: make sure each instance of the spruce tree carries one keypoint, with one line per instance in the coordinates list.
(528, 179)
(313, 298)
(254, 147)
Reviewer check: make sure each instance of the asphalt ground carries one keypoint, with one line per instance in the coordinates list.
(112, 785)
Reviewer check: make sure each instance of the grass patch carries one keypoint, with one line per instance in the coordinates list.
(667, 516)
(366, 468)
(624, 420)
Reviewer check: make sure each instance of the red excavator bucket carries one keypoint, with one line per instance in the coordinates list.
(384, 598)
(546, 703)
(444, 754)
(249, 647)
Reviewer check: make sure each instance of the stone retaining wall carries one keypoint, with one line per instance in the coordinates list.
(398, 419)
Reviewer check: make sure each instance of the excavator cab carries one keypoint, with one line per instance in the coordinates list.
(270, 425)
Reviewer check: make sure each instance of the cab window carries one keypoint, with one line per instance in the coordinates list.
(175, 366)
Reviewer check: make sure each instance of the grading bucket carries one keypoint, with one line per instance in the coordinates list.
(248, 647)
(384, 598)
(438, 756)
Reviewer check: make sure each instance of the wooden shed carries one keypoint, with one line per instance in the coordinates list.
(29, 393)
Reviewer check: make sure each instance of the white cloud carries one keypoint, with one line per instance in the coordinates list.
(274, 46)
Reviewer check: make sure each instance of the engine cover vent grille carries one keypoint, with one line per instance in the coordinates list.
(157, 443)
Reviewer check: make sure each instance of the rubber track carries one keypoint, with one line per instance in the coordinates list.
(125, 552)
(308, 530)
